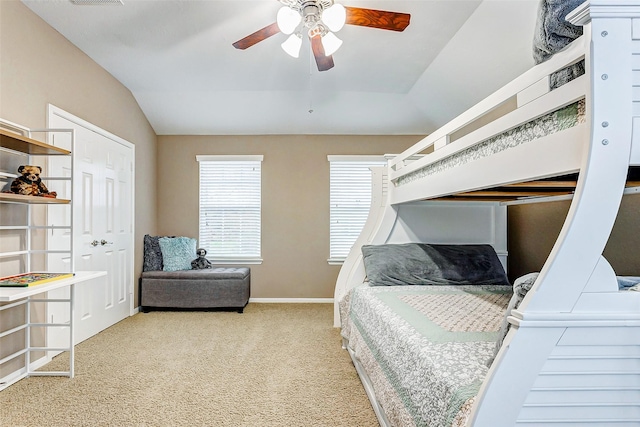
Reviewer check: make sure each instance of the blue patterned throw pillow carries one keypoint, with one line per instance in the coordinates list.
(177, 253)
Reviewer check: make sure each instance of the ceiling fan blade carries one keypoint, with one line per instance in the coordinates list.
(381, 19)
(258, 36)
(324, 62)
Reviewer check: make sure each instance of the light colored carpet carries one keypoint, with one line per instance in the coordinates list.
(274, 365)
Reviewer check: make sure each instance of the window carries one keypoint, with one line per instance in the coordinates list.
(230, 206)
(350, 201)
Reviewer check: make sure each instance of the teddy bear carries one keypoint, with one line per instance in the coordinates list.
(201, 262)
(30, 183)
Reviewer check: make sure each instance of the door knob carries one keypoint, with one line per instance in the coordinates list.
(94, 243)
(104, 242)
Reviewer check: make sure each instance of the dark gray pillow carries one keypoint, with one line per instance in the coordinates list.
(425, 264)
(152, 254)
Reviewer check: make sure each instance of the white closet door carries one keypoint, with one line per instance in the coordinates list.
(116, 234)
(102, 228)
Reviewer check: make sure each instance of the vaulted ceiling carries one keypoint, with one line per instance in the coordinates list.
(177, 59)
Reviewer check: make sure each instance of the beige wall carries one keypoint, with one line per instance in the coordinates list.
(295, 201)
(38, 66)
(533, 230)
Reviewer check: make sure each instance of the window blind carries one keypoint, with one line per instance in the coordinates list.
(350, 200)
(230, 207)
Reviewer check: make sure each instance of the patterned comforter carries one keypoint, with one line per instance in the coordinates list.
(425, 348)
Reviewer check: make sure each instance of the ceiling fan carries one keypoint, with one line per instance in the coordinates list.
(321, 19)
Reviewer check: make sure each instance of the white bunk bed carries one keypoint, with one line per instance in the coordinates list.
(572, 354)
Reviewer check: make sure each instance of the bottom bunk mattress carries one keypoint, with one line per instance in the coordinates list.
(425, 349)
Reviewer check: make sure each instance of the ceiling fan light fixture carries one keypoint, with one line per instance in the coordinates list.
(335, 17)
(320, 19)
(331, 43)
(288, 19)
(292, 45)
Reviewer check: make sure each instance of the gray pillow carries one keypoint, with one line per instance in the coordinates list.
(552, 33)
(152, 254)
(425, 264)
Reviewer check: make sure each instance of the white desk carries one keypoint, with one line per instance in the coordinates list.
(19, 296)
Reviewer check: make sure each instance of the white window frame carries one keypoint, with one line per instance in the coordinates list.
(362, 207)
(212, 255)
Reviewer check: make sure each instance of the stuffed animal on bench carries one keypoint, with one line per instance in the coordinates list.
(201, 262)
(30, 183)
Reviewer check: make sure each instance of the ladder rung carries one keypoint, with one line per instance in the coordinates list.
(14, 304)
(49, 300)
(44, 325)
(49, 348)
(13, 356)
(49, 373)
(11, 331)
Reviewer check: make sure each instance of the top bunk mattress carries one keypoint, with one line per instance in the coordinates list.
(426, 348)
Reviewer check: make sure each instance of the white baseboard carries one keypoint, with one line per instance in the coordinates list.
(293, 300)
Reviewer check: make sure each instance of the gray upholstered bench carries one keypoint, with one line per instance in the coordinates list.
(208, 288)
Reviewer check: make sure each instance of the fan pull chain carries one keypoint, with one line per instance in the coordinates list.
(311, 62)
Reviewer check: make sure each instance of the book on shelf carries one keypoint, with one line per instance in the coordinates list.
(31, 279)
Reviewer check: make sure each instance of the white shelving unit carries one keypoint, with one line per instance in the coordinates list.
(24, 233)
(18, 147)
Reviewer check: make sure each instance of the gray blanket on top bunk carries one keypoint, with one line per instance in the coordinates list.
(553, 33)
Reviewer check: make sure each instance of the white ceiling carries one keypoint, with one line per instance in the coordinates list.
(176, 58)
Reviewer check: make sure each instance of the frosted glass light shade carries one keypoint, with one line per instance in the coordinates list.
(335, 17)
(292, 45)
(330, 43)
(288, 19)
